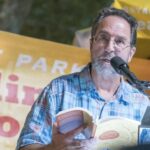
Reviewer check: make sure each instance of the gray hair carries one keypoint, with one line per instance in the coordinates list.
(117, 12)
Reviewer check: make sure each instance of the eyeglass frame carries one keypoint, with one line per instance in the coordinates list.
(119, 48)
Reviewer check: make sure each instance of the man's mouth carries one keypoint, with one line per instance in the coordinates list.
(106, 60)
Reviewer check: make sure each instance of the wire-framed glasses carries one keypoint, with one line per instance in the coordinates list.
(119, 42)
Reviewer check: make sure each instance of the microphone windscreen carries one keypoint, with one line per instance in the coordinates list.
(117, 63)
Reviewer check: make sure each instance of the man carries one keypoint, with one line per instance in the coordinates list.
(97, 88)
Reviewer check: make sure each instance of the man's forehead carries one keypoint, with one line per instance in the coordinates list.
(117, 35)
(114, 24)
(114, 20)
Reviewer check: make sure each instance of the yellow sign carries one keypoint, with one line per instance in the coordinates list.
(26, 66)
(140, 9)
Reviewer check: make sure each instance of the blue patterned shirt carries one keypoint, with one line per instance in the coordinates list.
(78, 90)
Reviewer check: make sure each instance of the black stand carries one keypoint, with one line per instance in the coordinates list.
(140, 85)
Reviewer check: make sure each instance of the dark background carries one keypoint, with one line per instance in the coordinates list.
(54, 20)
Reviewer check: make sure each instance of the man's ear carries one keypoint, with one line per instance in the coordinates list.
(131, 54)
(91, 43)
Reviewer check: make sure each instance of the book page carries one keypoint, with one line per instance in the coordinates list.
(69, 120)
(116, 132)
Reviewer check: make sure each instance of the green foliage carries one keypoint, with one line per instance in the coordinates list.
(57, 20)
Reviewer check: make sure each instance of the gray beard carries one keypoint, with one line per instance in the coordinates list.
(105, 71)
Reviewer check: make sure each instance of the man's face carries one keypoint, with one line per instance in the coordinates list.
(112, 38)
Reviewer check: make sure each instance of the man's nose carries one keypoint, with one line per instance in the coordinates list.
(110, 46)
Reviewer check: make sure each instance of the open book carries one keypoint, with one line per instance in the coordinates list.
(113, 132)
(71, 119)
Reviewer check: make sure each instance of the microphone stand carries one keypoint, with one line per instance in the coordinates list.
(122, 68)
(140, 84)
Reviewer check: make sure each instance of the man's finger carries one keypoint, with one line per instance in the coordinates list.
(72, 134)
(55, 131)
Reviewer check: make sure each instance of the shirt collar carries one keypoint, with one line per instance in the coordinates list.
(86, 81)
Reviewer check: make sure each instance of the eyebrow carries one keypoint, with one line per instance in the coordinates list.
(103, 32)
(118, 36)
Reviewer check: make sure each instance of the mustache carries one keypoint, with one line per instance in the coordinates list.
(107, 56)
(100, 59)
(103, 58)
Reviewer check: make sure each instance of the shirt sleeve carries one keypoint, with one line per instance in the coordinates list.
(38, 124)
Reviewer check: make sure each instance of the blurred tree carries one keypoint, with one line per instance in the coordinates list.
(55, 20)
(13, 14)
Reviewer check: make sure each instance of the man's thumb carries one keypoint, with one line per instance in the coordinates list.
(74, 132)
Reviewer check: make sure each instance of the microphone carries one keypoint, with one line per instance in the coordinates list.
(122, 68)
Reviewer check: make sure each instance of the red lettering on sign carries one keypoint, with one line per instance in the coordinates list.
(12, 89)
(14, 126)
(29, 95)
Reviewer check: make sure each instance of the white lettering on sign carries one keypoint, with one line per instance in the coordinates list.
(137, 10)
(143, 25)
(59, 67)
(23, 59)
(76, 68)
(40, 64)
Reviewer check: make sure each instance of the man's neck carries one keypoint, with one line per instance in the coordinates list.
(106, 87)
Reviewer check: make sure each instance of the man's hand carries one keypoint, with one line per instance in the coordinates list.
(67, 142)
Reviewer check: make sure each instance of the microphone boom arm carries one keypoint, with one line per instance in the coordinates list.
(122, 68)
